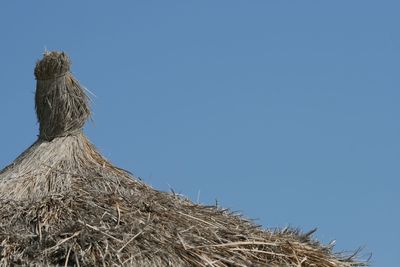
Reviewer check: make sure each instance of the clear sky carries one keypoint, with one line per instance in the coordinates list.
(287, 111)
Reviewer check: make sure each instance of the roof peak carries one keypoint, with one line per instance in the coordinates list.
(62, 106)
(53, 65)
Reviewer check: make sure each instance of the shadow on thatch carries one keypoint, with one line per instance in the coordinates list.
(62, 203)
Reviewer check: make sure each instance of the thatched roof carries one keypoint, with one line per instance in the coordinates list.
(62, 203)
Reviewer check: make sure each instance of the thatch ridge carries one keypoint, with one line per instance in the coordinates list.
(62, 203)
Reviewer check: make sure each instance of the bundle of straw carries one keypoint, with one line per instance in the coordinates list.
(63, 204)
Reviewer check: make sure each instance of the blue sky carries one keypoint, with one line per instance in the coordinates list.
(287, 111)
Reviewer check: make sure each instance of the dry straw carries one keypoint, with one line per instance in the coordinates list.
(63, 204)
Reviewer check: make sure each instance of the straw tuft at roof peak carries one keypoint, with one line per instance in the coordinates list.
(54, 64)
(61, 103)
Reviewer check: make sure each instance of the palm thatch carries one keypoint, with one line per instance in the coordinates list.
(63, 204)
